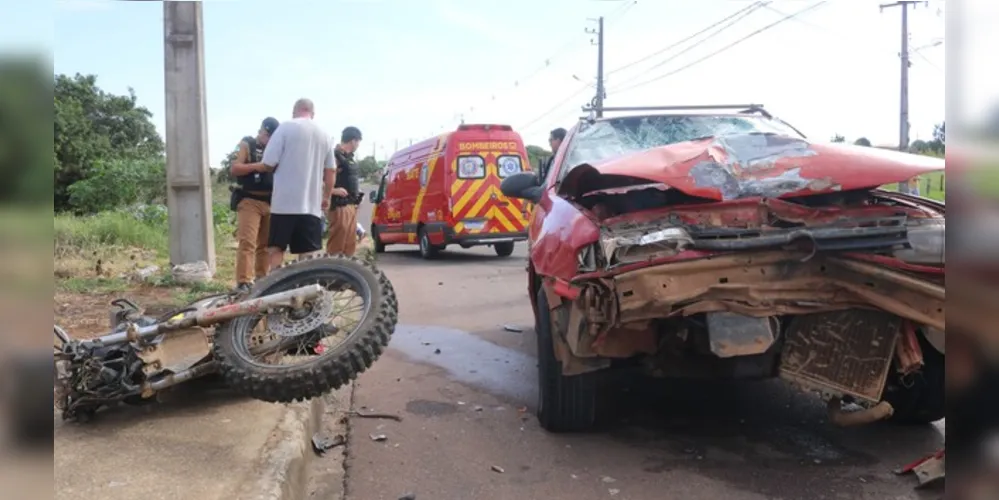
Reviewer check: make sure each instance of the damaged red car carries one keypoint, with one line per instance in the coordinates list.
(719, 242)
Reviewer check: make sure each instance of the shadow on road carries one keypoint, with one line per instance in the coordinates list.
(407, 258)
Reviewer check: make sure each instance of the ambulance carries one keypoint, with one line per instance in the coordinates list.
(445, 191)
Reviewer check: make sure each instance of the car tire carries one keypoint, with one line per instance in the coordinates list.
(379, 246)
(575, 403)
(918, 399)
(427, 250)
(504, 249)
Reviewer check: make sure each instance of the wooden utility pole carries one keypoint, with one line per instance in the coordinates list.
(598, 100)
(903, 120)
(189, 190)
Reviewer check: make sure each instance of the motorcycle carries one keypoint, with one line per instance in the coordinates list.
(287, 314)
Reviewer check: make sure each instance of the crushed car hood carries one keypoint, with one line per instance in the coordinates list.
(752, 165)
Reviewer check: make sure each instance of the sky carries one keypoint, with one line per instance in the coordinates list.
(404, 70)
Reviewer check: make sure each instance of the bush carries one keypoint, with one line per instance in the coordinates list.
(118, 183)
(108, 229)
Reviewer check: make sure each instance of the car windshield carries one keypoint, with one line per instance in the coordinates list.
(608, 139)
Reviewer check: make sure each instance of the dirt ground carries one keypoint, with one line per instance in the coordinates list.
(87, 315)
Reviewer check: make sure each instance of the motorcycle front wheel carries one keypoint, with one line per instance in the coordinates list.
(241, 344)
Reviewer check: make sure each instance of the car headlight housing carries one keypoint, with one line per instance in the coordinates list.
(925, 242)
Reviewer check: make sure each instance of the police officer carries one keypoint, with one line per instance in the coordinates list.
(555, 139)
(251, 199)
(346, 195)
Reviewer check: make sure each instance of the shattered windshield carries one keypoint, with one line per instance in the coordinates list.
(608, 139)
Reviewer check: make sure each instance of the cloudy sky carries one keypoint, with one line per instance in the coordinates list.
(408, 69)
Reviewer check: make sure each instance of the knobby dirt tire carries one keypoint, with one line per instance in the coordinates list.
(332, 370)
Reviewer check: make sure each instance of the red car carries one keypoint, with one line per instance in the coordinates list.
(719, 242)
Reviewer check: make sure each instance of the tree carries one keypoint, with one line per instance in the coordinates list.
(838, 138)
(369, 169)
(939, 142)
(25, 121)
(536, 155)
(92, 126)
(118, 183)
(862, 142)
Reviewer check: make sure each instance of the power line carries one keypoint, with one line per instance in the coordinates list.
(614, 15)
(753, 6)
(729, 46)
(737, 17)
(554, 108)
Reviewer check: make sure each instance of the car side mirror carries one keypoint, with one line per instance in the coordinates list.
(373, 196)
(523, 185)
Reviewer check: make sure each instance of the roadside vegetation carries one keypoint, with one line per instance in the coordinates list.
(110, 226)
(930, 185)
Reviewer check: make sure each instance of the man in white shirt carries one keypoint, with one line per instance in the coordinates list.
(301, 156)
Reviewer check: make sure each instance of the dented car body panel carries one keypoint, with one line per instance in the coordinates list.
(747, 254)
(758, 166)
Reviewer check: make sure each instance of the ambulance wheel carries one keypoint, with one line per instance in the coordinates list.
(379, 246)
(427, 250)
(504, 249)
(574, 403)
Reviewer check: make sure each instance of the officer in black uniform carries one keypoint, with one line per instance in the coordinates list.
(251, 199)
(554, 140)
(346, 195)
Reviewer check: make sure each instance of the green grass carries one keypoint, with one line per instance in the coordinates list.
(92, 253)
(93, 285)
(108, 229)
(930, 185)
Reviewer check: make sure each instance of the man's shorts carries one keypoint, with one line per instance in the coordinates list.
(299, 233)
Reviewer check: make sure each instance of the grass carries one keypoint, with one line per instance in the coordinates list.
(930, 185)
(101, 253)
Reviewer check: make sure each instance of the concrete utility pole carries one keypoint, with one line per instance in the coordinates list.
(598, 100)
(189, 192)
(903, 124)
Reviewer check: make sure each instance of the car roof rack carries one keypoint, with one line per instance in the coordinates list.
(743, 108)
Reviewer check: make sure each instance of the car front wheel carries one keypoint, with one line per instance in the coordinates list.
(574, 403)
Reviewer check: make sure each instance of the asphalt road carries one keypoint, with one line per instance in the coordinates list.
(465, 387)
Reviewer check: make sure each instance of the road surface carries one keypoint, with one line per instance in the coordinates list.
(465, 388)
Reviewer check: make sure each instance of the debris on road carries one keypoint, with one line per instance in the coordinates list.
(408, 496)
(378, 437)
(322, 444)
(437, 351)
(613, 491)
(511, 328)
(498, 469)
(478, 408)
(386, 416)
(608, 479)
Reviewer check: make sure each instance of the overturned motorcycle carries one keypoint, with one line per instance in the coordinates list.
(288, 315)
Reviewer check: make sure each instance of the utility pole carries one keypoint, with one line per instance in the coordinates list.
(903, 122)
(598, 100)
(189, 190)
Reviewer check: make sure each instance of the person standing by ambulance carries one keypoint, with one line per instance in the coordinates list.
(346, 196)
(252, 203)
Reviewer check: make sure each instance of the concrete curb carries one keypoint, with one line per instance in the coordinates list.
(282, 472)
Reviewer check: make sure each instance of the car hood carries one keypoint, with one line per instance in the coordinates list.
(752, 165)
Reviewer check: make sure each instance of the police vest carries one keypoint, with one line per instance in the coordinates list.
(256, 181)
(348, 178)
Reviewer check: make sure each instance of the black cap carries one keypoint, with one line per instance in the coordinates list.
(270, 124)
